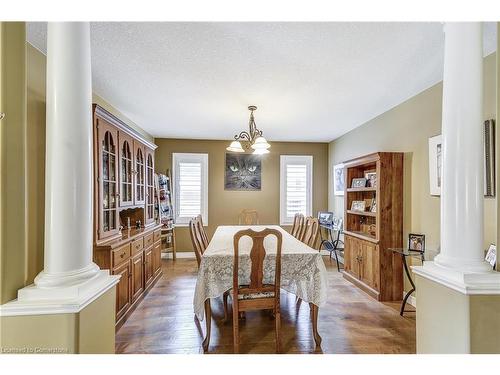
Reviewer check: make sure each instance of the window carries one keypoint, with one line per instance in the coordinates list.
(190, 175)
(295, 187)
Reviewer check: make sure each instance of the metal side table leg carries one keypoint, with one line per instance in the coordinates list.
(412, 286)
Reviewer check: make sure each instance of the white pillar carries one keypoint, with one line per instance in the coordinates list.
(462, 192)
(68, 174)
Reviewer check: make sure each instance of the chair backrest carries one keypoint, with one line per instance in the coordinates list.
(298, 222)
(196, 238)
(202, 231)
(248, 217)
(311, 227)
(257, 255)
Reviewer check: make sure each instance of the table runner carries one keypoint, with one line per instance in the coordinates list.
(303, 272)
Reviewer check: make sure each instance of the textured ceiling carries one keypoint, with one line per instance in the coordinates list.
(310, 81)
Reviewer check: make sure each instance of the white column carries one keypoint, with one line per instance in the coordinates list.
(68, 173)
(462, 192)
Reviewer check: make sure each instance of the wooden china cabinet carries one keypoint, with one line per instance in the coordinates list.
(127, 238)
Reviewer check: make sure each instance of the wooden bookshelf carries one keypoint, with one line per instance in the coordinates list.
(368, 235)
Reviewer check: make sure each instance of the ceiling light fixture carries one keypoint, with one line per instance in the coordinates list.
(253, 138)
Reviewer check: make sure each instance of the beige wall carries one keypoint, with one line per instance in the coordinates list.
(224, 206)
(407, 128)
(12, 159)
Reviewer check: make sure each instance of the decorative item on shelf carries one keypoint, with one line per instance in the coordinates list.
(243, 172)
(372, 229)
(373, 207)
(166, 211)
(338, 179)
(138, 224)
(358, 182)
(416, 242)
(491, 256)
(368, 203)
(371, 179)
(252, 139)
(358, 206)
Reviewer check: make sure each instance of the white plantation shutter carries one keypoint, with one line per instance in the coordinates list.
(191, 187)
(295, 186)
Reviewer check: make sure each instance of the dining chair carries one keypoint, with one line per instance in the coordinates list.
(197, 239)
(298, 223)
(310, 231)
(200, 242)
(257, 295)
(202, 231)
(248, 217)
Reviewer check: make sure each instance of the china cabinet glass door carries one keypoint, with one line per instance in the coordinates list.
(126, 166)
(139, 174)
(108, 205)
(150, 195)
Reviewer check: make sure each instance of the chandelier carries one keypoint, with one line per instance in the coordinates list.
(253, 138)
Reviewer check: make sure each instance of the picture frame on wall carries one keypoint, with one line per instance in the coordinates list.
(435, 163)
(489, 158)
(338, 179)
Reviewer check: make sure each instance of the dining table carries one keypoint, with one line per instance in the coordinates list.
(303, 271)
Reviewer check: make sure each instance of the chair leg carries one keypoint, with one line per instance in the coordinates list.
(224, 298)
(278, 331)
(236, 340)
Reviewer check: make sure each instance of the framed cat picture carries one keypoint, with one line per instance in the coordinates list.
(243, 172)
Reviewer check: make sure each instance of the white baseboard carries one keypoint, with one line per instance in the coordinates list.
(411, 300)
(179, 255)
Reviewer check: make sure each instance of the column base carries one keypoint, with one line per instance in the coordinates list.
(63, 279)
(470, 266)
(35, 300)
(463, 281)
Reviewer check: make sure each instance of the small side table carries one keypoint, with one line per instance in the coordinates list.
(404, 254)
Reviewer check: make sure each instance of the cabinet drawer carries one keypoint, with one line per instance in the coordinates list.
(137, 246)
(157, 235)
(121, 255)
(148, 240)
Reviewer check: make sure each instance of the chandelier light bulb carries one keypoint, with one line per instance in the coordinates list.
(260, 151)
(235, 146)
(260, 144)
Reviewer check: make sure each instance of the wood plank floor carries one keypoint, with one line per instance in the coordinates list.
(351, 321)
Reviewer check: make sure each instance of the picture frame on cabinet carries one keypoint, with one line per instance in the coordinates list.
(358, 206)
(338, 179)
(371, 179)
(491, 256)
(358, 182)
(416, 242)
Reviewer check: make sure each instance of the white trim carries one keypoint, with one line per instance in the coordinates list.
(412, 301)
(478, 283)
(179, 255)
(48, 301)
(295, 159)
(202, 158)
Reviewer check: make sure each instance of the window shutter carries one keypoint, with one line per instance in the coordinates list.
(296, 189)
(189, 189)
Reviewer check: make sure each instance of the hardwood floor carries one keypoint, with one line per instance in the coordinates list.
(351, 321)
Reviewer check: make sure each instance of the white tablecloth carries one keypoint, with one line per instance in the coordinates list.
(303, 272)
